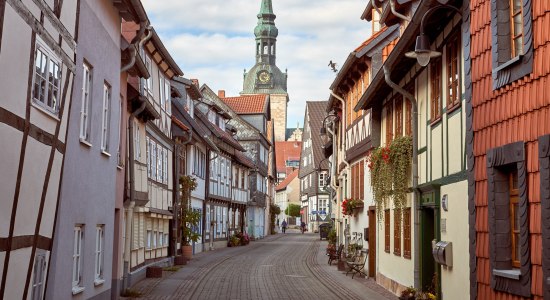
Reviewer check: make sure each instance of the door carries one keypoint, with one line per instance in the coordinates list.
(427, 262)
(372, 242)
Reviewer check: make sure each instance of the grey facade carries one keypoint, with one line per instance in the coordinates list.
(87, 166)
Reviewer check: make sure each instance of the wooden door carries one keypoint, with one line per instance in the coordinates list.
(372, 242)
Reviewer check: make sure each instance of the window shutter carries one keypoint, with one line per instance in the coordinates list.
(387, 230)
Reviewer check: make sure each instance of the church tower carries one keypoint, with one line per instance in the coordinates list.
(265, 77)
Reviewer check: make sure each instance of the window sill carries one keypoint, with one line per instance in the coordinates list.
(77, 290)
(435, 121)
(451, 108)
(99, 281)
(46, 111)
(511, 274)
(85, 142)
(507, 64)
(105, 153)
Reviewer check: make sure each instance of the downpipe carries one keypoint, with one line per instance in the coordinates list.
(410, 97)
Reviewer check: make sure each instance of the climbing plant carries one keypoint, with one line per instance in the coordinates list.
(390, 168)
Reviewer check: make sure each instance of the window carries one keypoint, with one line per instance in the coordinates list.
(137, 143)
(407, 232)
(148, 86)
(121, 128)
(166, 239)
(322, 178)
(149, 239)
(47, 78)
(85, 104)
(199, 163)
(39, 270)
(387, 230)
(396, 233)
(105, 124)
(162, 97)
(99, 252)
(389, 122)
(165, 166)
(153, 160)
(453, 74)
(399, 116)
(243, 180)
(154, 239)
(78, 237)
(435, 79)
(161, 239)
(508, 222)
(357, 180)
(512, 47)
(514, 217)
(159, 164)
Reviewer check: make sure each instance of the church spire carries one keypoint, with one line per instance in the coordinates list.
(266, 34)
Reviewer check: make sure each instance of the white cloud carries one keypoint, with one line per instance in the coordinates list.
(213, 41)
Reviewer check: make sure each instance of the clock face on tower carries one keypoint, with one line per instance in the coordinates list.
(264, 76)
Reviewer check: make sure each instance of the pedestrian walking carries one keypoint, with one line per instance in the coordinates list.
(283, 226)
(303, 226)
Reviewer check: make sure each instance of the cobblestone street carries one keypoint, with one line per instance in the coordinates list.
(291, 266)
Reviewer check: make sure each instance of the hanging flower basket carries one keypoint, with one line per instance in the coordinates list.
(351, 206)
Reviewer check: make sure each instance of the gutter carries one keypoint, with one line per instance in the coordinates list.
(396, 13)
(409, 96)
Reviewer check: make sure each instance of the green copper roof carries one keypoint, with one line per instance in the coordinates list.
(266, 21)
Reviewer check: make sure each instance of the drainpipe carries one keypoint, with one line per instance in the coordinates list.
(396, 13)
(375, 7)
(343, 134)
(410, 97)
(130, 210)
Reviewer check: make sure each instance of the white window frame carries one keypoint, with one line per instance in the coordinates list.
(166, 239)
(153, 160)
(155, 239)
(78, 238)
(51, 61)
(137, 142)
(161, 91)
(87, 82)
(148, 155)
(39, 271)
(161, 236)
(99, 254)
(149, 237)
(167, 95)
(165, 166)
(159, 164)
(148, 86)
(106, 118)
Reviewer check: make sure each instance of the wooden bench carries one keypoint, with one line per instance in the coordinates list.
(357, 266)
(335, 254)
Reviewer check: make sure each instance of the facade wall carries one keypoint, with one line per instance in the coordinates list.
(31, 167)
(279, 115)
(516, 112)
(81, 202)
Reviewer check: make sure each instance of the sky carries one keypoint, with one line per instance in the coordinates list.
(213, 41)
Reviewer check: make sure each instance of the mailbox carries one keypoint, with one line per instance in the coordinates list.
(442, 252)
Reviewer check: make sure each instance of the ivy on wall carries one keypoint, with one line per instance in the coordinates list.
(390, 168)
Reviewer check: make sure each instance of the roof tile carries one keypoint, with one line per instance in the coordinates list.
(287, 180)
(287, 151)
(248, 104)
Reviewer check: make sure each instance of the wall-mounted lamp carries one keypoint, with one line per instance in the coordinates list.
(422, 51)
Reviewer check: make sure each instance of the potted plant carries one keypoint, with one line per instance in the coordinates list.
(189, 218)
(408, 294)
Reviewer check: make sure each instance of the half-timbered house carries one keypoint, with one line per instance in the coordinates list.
(38, 41)
(313, 170)
(251, 116)
(150, 179)
(423, 241)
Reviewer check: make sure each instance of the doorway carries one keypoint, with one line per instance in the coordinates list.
(372, 242)
(427, 267)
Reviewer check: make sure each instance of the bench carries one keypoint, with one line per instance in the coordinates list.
(357, 266)
(335, 254)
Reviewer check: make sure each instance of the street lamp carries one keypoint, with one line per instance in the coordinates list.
(422, 51)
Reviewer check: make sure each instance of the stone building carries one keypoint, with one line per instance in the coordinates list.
(265, 77)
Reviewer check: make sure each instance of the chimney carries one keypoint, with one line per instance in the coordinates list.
(195, 82)
(221, 93)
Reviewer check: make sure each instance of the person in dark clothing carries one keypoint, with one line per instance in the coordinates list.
(303, 226)
(283, 226)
